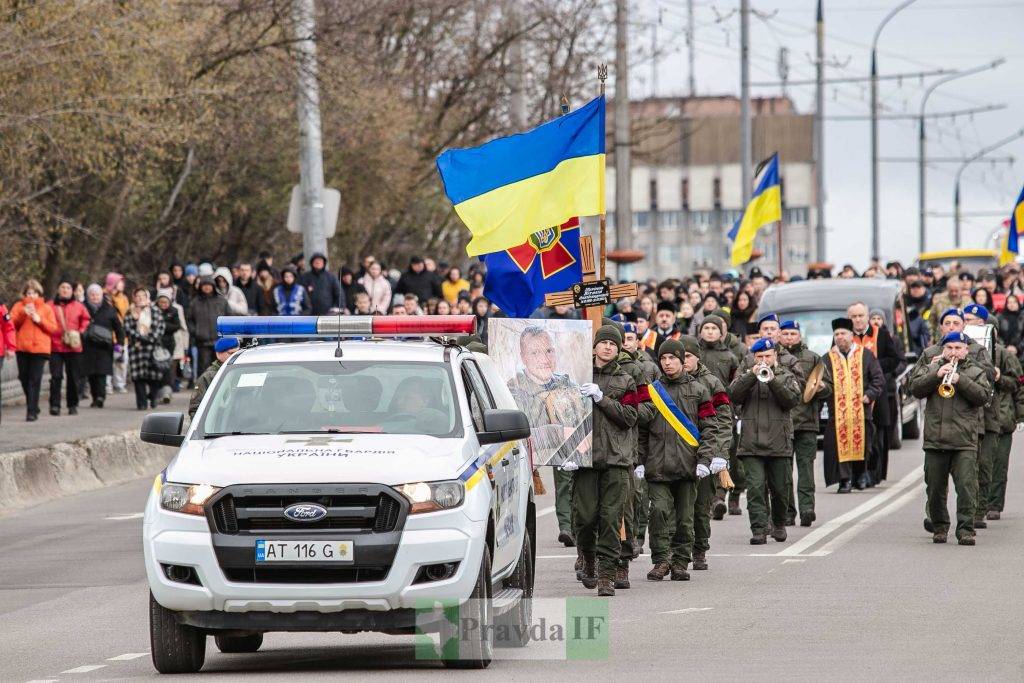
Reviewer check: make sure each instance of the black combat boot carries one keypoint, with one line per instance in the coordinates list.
(980, 523)
(638, 548)
(929, 527)
(791, 518)
(939, 537)
(992, 515)
(579, 564)
(589, 572)
(659, 571)
(718, 508)
(622, 576)
(779, 533)
(966, 539)
(566, 539)
(758, 539)
(605, 589)
(679, 573)
(700, 561)
(807, 517)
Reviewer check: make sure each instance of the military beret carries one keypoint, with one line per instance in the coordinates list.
(225, 344)
(771, 317)
(789, 325)
(760, 345)
(977, 310)
(952, 311)
(629, 328)
(955, 337)
(672, 347)
(608, 333)
(690, 344)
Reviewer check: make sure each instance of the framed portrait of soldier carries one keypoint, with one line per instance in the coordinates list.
(544, 362)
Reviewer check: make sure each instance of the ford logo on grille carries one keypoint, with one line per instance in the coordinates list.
(305, 512)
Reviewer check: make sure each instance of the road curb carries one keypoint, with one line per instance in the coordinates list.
(36, 475)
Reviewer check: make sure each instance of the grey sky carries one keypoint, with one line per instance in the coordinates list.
(929, 34)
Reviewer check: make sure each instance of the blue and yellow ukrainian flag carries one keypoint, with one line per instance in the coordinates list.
(509, 188)
(1011, 244)
(765, 207)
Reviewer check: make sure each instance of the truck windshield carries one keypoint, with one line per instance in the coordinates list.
(332, 396)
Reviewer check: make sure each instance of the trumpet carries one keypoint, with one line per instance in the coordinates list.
(764, 373)
(946, 389)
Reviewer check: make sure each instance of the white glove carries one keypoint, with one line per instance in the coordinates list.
(569, 466)
(719, 464)
(592, 390)
(702, 471)
(639, 472)
(1020, 427)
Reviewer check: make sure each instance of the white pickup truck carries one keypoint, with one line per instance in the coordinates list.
(341, 486)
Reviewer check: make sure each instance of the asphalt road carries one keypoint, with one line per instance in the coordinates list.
(863, 594)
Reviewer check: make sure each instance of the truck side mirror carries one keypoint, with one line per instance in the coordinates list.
(163, 429)
(503, 425)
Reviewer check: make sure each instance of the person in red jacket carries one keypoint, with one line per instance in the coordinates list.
(34, 323)
(8, 344)
(66, 344)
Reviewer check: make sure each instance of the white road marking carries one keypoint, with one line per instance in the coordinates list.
(546, 511)
(133, 515)
(828, 527)
(687, 610)
(128, 656)
(802, 559)
(845, 537)
(44, 680)
(84, 669)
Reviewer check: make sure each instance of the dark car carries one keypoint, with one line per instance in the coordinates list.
(814, 303)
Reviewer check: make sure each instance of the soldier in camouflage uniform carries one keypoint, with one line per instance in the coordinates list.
(707, 486)
(599, 491)
(721, 360)
(951, 427)
(530, 388)
(224, 348)
(1010, 405)
(805, 428)
(732, 342)
(672, 467)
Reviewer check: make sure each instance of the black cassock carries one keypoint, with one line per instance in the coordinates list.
(886, 414)
(874, 387)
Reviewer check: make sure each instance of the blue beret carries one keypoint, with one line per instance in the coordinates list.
(770, 316)
(760, 345)
(225, 344)
(956, 337)
(951, 311)
(629, 327)
(789, 325)
(976, 310)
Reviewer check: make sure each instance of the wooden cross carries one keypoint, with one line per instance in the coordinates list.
(593, 313)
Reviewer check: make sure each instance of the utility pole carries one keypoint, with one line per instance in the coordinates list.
(922, 150)
(517, 98)
(654, 59)
(959, 174)
(691, 49)
(745, 133)
(874, 128)
(311, 158)
(819, 135)
(623, 168)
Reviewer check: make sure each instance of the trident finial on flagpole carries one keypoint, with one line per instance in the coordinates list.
(564, 104)
(602, 75)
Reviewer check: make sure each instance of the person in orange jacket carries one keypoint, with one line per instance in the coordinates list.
(8, 343)
(35, 324)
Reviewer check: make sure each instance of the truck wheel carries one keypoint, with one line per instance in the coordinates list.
(516, 622)
(176, 649)
(474, 652)
(231, 644)
(912, 429)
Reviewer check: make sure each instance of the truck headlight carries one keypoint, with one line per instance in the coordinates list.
(186, 498)
(431, 496)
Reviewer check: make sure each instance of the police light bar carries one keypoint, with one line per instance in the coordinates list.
(345, 325)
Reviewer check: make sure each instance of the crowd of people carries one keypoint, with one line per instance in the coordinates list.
(719, 359)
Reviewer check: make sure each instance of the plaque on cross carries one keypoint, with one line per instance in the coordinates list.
(592, 294)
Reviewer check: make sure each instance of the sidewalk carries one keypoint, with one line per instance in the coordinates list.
(118, 415)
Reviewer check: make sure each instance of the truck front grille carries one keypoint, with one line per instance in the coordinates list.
(377, 513)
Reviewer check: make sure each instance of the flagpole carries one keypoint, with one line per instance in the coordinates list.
(602, 74)
(778, 231)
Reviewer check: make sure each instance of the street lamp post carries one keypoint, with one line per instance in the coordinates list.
(922, 151)
(960, 171)
(874, 126)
